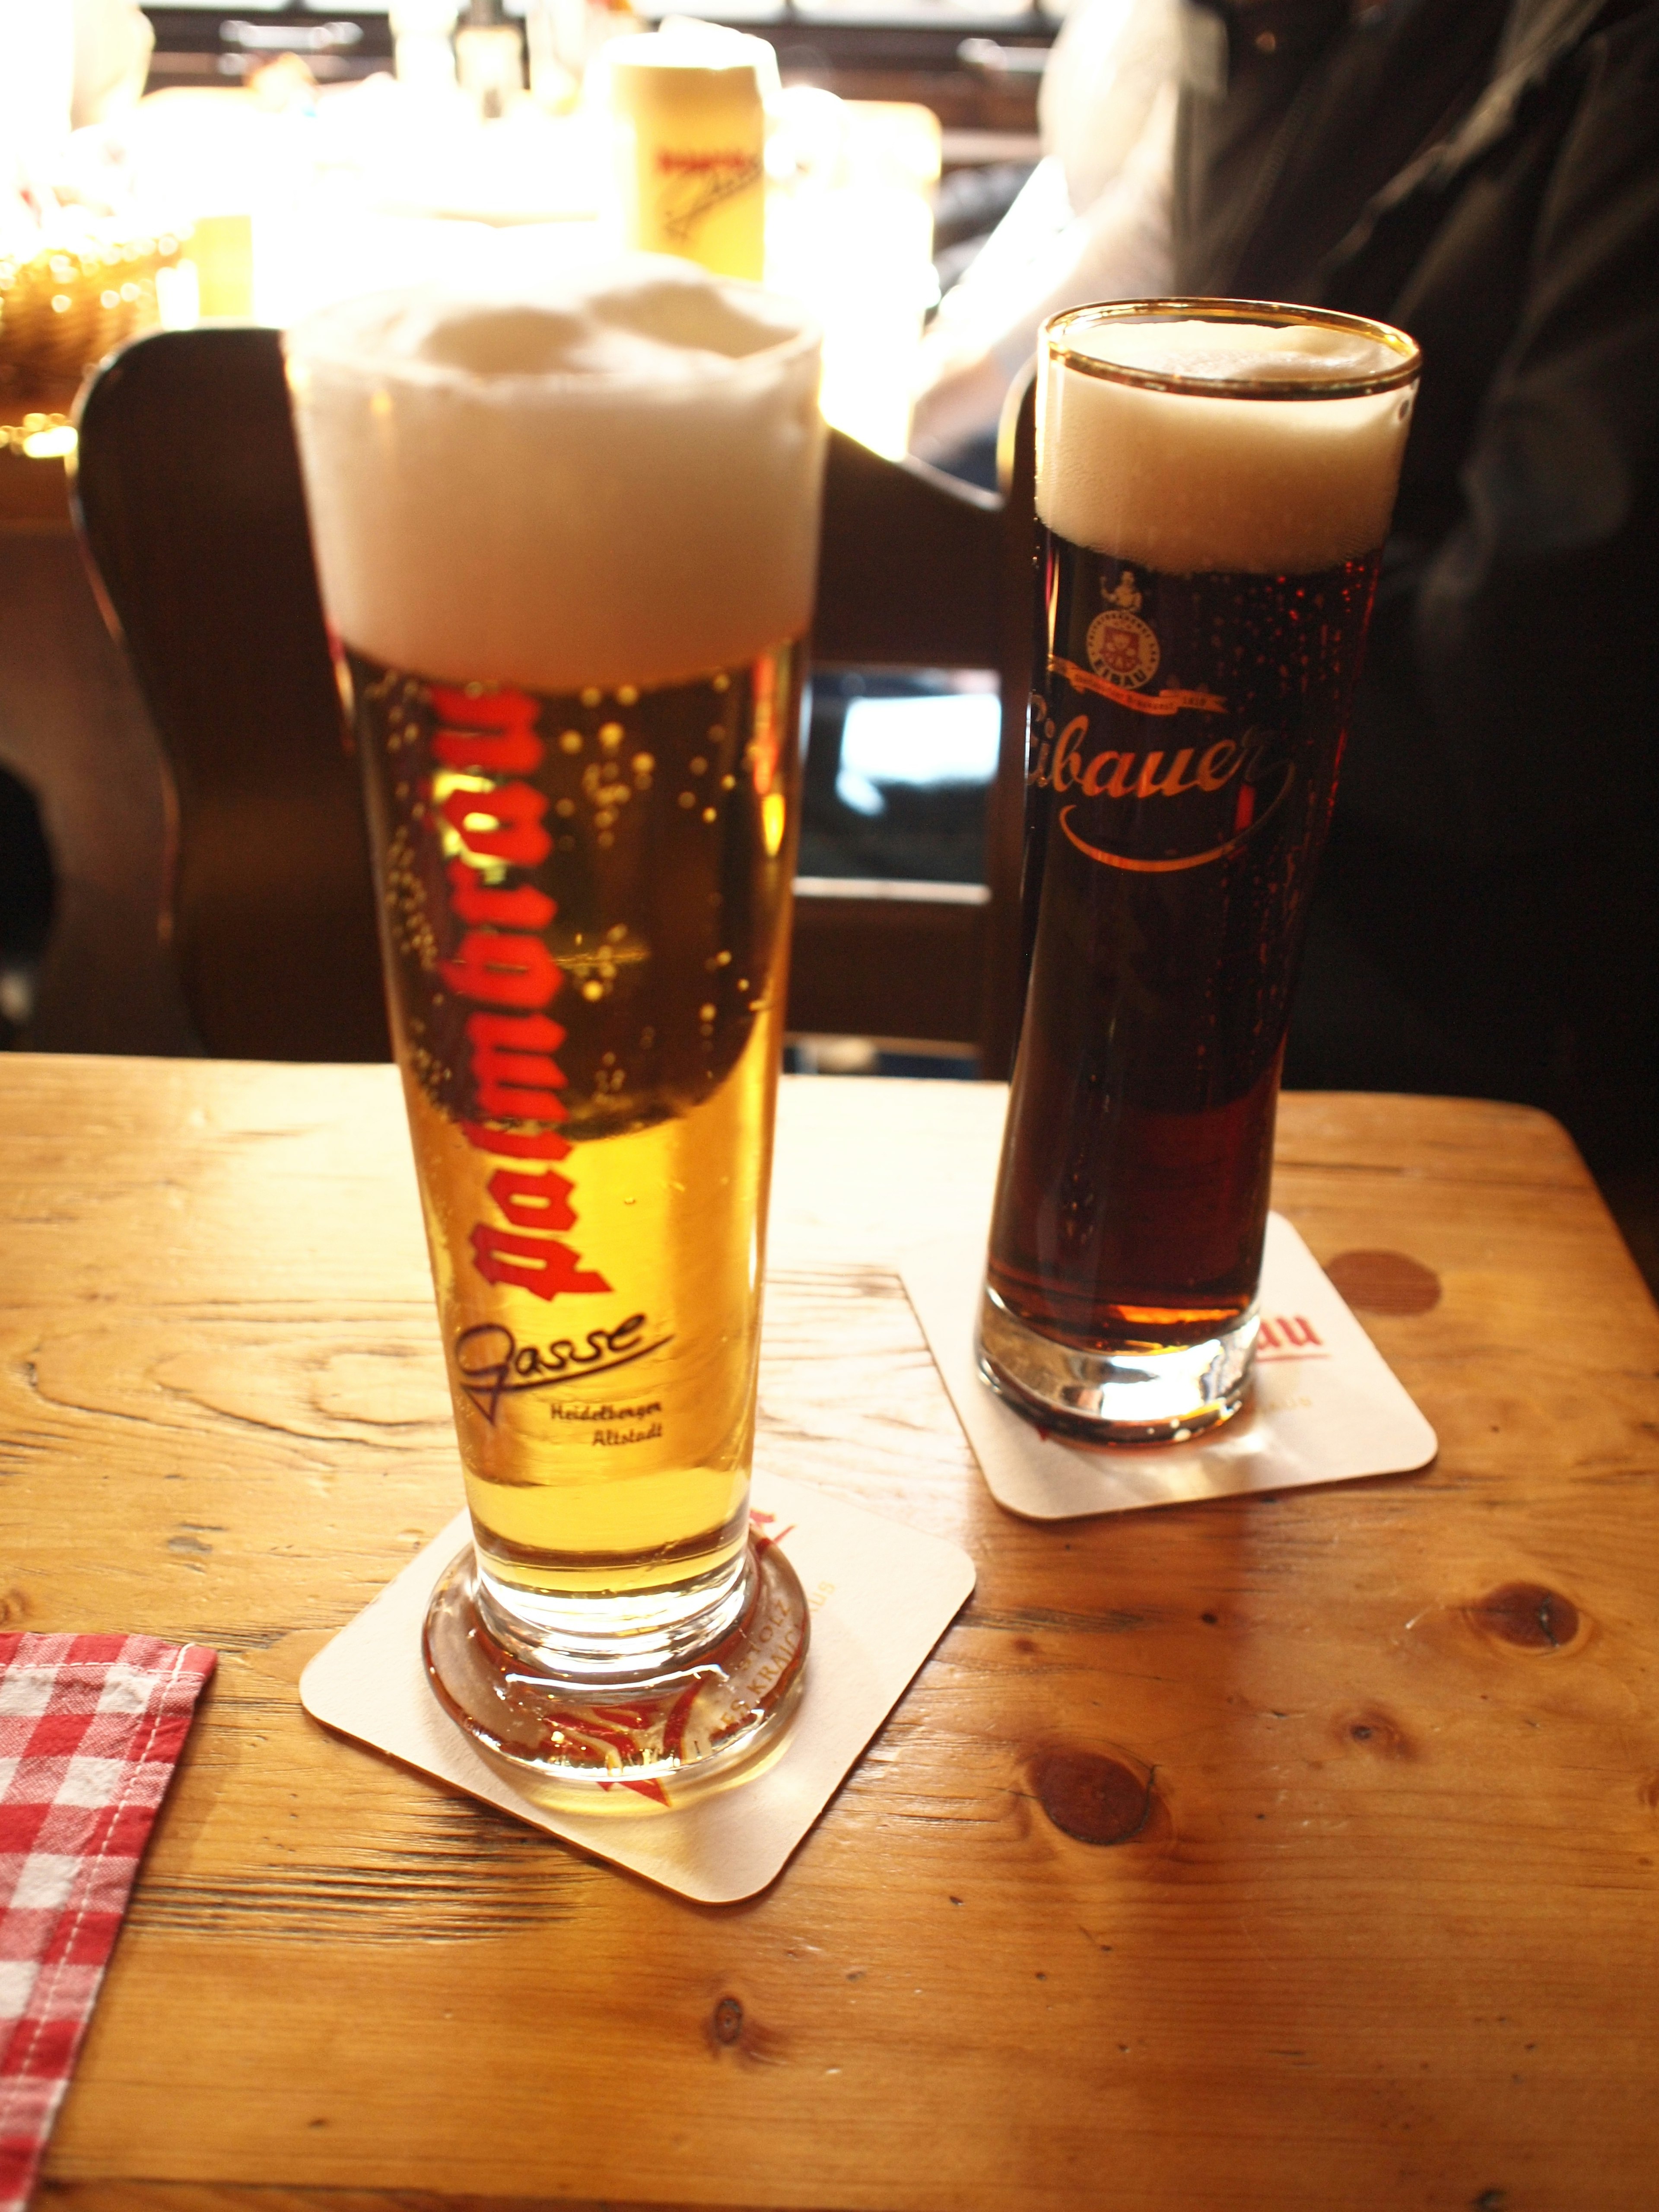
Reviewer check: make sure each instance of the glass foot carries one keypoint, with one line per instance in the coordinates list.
(694, 1722)
(1140, 1397)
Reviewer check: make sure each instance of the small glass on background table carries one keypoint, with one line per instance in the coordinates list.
(1215, 480)
(567, 537)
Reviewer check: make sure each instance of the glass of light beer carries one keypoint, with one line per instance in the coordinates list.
(1215, 480)
(567, 538)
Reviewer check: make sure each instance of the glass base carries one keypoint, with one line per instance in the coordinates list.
(701, 1718)
(1131, 1397)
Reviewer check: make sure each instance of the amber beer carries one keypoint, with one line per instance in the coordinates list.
(1215, 481)
(590, 1082)
(567, 540)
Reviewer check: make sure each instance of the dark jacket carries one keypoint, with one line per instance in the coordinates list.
(1485, 174)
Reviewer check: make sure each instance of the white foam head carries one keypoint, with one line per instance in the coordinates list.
(610, 476)
(1213, 475)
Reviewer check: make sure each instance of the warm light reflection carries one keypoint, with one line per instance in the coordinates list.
(53, 444)
(850, 231)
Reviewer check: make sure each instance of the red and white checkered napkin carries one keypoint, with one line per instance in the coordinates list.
(91, 1728)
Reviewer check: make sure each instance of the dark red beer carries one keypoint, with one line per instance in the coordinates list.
(1185, 740)
(1214, 483)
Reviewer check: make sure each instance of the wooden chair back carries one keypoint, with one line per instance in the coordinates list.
(188, 498)
(189, 501)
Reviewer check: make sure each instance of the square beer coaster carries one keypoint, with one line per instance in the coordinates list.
(881, 1596)
(1325, 1405)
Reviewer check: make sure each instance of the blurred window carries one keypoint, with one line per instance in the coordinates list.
(924, 743)
(899, 770)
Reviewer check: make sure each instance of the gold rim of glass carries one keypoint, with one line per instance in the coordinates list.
(1275, 311)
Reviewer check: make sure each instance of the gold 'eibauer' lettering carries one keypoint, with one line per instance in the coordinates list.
(1172, 786)
(1216, 769)
(1115, 774)
(1065, 772)
(1094, 778)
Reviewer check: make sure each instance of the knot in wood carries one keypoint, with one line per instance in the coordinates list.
(1385, 1282)
(1378, 1732)
(728, 2021)
(1528, 1615)
(1099, 1800)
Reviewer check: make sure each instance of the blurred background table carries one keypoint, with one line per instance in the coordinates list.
(1271, 1853)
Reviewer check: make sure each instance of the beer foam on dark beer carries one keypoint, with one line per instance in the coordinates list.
(607, 477)
(1187, 483)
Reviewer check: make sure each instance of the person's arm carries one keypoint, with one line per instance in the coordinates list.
(113, 42)
(1049, 258)
(1091, 222)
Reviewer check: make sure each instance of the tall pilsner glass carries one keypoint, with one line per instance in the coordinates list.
(1215, 480)
(567, 536)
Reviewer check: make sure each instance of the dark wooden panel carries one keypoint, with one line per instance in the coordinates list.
(908, 574)
(870, 964)
(73, 728)
(190, 500)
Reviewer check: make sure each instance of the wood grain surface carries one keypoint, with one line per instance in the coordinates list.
(1268, 1853)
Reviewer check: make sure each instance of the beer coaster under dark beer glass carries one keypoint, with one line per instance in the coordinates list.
(566, 537)
(1215, 480)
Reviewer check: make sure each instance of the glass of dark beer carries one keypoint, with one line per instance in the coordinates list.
(566, 535)
(1215, 480)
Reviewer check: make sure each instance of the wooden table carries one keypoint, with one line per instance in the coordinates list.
(1369, 1919)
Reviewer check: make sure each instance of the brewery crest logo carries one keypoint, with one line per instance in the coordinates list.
(1147, 808)
(1120, 646)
